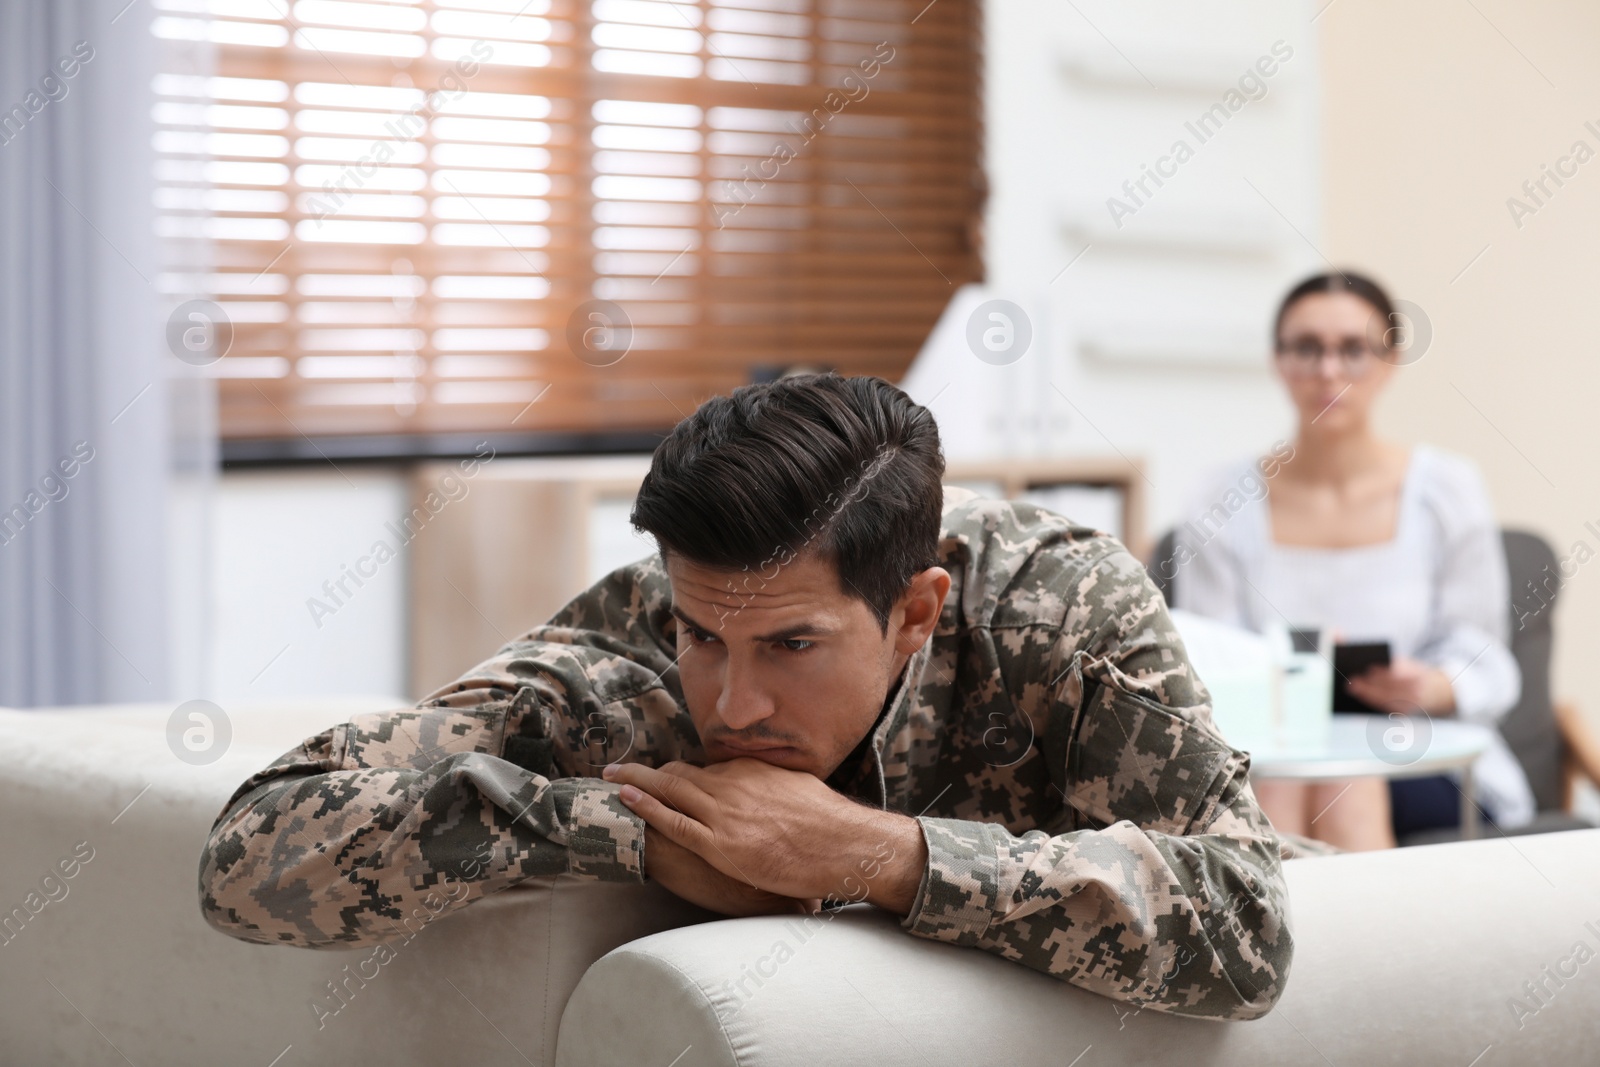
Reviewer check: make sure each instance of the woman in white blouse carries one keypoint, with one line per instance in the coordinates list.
(1377, 542)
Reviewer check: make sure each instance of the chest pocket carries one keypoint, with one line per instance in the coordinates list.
(532, 747)
(1132, 758)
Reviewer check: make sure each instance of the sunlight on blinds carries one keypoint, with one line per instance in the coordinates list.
(414, 211)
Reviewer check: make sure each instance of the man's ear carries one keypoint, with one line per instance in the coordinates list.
(916, 613)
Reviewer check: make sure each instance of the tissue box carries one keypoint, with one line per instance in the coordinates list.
(1263, 696)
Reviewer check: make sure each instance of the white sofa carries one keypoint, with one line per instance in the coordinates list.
(1405, 957)
(125, 961)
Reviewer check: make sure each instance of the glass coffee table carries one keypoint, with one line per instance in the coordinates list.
(1382, 746)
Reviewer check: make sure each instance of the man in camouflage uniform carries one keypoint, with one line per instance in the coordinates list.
(975, 714)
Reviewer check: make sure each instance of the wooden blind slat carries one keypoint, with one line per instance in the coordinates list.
(402, 239)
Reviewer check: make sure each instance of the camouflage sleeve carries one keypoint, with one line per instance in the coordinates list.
(1159, 883)
(390, 820)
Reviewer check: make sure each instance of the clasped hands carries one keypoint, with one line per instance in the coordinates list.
(746, 837)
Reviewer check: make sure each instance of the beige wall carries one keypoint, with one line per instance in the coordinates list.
(1432, 119)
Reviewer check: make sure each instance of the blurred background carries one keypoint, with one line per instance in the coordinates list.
(335, 333)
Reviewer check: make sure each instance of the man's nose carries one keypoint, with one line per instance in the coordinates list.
(743, 700)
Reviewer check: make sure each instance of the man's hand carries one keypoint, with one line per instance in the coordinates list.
(783, 831)
(1405, 687)
(688, 876)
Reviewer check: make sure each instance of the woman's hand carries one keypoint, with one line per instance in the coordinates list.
(1406, 687)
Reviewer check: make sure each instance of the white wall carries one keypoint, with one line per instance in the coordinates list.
(1197, 269)
(1435, 116)
(278, 537)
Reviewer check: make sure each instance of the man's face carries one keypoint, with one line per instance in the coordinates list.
(782, 666)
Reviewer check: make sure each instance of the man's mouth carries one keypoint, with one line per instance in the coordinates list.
(756, 751)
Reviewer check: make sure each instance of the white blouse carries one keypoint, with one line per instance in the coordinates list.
(1437, 591)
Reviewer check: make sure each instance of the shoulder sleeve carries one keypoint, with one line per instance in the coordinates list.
(1211, 549)
(1469, 625)
(1161, 883)
(374, 827)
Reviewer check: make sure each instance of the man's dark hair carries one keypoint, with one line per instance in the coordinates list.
(848, 469)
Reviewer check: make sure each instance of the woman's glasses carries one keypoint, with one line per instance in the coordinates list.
(1302, 356)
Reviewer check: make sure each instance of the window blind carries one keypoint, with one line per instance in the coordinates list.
(518, 215)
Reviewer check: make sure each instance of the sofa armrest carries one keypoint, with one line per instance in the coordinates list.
(1402, 956)
(117, 956)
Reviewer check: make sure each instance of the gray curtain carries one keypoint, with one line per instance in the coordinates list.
(85, 457)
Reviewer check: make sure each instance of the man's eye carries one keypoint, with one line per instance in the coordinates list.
(796, 645)
(699, 637)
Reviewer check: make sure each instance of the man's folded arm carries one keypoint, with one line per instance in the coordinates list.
(1191, 924)
(371, 829)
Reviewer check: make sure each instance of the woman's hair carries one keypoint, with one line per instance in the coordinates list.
(1342, 282)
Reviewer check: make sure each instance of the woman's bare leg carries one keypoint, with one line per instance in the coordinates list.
(1286, 804)
(1352, 814)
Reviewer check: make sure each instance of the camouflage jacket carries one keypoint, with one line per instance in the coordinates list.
(1083, 815)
